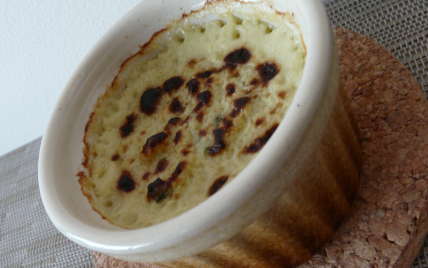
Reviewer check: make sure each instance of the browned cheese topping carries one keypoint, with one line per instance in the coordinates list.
(175, 128)
(218, 183)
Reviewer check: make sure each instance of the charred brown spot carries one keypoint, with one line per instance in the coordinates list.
(153, 141)
(255, 81)
(200, 116)
(115, 157)
(239, 105)
(227, 123)
(282, 94)
(91, 118)
(267, 71)
(230, 89)
(124, 148)
(234, 73)
(158, 190)
(161, 166)
(146, 176)
(202, 132)
(186, 120)
(177, 171)
(205, 74)
(193, 86)
(125, 182)
(278, 105)
(218, 183)
(191, 63)
(258, 143)
(259, 121)
(150, 99)
(209, 82)
(177, 137)
(171, 122)
(143, 132)
(172, 84)
(219, 133)
(239, 56)
(203, 99)
(175, 106)
(174, 121)
(219, 143)
(185, 152)
(127, 128)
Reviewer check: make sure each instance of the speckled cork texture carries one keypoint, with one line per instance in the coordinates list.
(388, 222)
(389, 218)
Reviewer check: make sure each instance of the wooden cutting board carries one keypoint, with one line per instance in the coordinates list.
(388, 222)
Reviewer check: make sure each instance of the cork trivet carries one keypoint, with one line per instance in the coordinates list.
(388, 222)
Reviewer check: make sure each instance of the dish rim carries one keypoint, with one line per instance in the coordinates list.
(184, 228)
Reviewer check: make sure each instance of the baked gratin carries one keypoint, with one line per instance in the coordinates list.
(188, 112)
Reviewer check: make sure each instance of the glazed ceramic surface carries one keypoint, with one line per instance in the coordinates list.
(267, 186)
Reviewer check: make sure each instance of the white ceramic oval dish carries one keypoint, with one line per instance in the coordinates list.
(251, 194)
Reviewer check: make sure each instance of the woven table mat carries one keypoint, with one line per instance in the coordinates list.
(28, 238)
